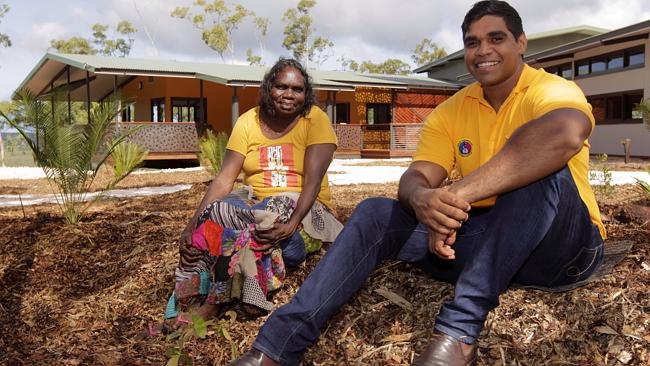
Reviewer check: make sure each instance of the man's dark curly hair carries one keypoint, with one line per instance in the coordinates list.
(497, 8)
(265, 102)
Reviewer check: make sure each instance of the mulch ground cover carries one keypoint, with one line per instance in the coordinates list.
(79, 295)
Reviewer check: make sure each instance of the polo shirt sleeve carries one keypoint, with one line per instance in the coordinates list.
(561, 94)
(238, 140)
(435, 144)
(320, 128)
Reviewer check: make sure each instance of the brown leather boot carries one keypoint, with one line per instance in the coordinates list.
(253, 357)
(445, 350)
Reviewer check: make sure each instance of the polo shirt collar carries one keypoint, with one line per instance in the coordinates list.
(528, 75)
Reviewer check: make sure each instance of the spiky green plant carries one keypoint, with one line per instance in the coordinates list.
(213, 149)
(66, 151)
(644, 187)
(126, 156)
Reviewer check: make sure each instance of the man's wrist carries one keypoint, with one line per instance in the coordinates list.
(458, 189)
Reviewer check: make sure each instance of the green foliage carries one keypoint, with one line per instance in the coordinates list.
(76, 45)
(603, 175)
(391, 66)
(177, 354)
(427, 51)
(66, 152)
(100, 43)
(644, 187)
(5, 41)
(298, 33)
(217, 23)
(212, 150)
(126, 157)
(252, 59)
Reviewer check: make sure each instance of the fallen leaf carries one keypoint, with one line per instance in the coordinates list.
(606, 329)
(394, 298)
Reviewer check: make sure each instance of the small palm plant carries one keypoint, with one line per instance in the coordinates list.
(213, 149)
(71, 154)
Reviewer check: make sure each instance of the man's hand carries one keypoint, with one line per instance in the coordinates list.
(440, 244)
(439, 209)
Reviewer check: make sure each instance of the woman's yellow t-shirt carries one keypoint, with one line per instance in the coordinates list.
(272, 166)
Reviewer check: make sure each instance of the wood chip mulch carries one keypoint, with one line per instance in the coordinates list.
(79, 295)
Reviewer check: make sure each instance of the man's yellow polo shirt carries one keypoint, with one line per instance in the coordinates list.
(466, 132)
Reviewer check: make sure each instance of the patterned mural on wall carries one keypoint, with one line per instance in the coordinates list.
(415, 107)
(373, 139)
(163, 137)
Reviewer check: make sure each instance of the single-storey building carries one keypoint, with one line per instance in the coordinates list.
(373, 115)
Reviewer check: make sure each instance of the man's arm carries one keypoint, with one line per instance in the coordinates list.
(535, 150)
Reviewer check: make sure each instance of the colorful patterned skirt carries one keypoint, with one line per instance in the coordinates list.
(222, 265)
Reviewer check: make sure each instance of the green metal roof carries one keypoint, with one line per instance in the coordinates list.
(126, 66)
(51, 71)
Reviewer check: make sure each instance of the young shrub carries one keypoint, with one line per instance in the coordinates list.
(66, 151)
(644, 187)
(126, 157)
(212, 150)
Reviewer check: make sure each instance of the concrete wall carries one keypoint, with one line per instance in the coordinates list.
(607, 139)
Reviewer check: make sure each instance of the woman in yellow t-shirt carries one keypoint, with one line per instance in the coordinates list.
(237, 243)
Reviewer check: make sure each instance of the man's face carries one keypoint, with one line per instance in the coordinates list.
(492, 54)
(288, 92)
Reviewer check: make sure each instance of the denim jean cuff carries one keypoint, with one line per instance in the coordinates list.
(260, 345)
(455, 334)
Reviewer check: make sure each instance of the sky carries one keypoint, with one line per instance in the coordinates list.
(360, 29)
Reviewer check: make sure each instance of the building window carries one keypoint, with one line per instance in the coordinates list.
(563, 70)
(128, 113)
(158, 110)
(619, 60)
(636, 57)
(617, 107)
(615, 62)
(342, 113)
(598, 65)
(188, 109)
(582, 68)
(378, 113)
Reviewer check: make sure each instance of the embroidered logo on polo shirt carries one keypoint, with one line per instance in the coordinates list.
(465, 147)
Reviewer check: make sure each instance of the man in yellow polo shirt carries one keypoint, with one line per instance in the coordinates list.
(523, 212)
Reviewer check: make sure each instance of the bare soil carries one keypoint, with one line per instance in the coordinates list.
(79, 295)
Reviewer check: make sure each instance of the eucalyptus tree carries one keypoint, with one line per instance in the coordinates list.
(299, 35)
(100, 43)
(5, 41)
(217, 21)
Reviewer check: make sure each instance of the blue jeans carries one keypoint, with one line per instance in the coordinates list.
(538, 235)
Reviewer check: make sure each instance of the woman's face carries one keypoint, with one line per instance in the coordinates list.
(288, 92)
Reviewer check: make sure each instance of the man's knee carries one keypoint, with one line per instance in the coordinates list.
(373, 208)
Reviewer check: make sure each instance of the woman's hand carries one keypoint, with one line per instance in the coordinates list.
(273, 236)
(185, 241)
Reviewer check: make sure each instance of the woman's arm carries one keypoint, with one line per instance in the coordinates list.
(220, 186)
(317, 159)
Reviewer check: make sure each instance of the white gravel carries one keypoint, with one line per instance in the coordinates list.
(341, 172)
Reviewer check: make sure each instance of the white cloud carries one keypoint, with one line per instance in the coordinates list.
(39, 38)
(361, 29)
